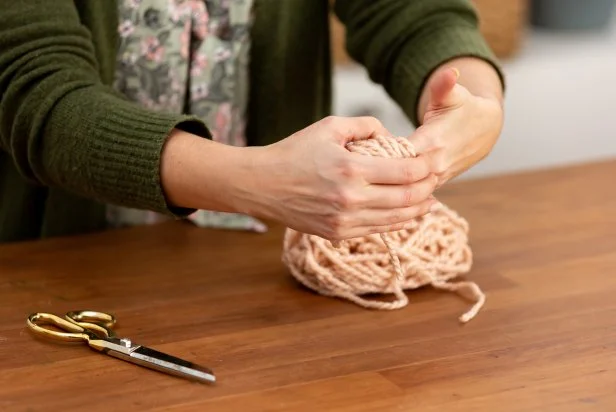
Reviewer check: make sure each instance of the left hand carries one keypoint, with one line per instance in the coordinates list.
(459, 128)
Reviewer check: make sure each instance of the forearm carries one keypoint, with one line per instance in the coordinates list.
(198, 173)
(401, 42)
(479, 77)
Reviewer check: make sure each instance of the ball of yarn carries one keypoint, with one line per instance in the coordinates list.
(433, 251)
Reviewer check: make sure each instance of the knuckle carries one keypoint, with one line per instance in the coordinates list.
(332, 199)
(408, 172)
(430, 139)
(426, 188)
(347, 168)
(395, 217)
(408, 197)
(329, 120)
(374, 122)
(344, 199)
(435, 180)
(437, 141)
(425, 208)
(330, 235)
(378, 229)
(440, 167)
(414, 170)
(434, 140)
(335, 226)
(396, 227)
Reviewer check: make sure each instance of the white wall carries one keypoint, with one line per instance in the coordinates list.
(560, 103)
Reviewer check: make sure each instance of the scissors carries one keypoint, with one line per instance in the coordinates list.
(95, 328)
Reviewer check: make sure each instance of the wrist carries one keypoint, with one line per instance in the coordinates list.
(199, 173)
(244, 184)
(249, 182)
(480, 78)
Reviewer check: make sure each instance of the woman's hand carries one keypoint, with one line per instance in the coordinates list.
(312, 183)
(460, 124)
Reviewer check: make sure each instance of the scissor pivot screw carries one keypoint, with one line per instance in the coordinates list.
(126, 342)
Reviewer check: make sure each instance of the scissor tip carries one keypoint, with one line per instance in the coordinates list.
(210, 378)
(204, 376)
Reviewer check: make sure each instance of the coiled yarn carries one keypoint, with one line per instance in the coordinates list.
(433, 251)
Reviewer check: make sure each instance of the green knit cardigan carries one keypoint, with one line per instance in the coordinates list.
(69, 144)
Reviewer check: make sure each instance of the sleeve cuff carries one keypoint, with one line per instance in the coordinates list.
(116, 149)
(188, 124)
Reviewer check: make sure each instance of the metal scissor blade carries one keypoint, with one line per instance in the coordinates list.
(170, 364)
(162, 362)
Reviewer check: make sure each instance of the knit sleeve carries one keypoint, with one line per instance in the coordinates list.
(62, 126)
(401, 42)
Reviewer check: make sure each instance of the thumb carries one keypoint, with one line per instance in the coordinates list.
(442, 88)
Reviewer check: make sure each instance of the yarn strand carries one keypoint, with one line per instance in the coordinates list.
(433, 252)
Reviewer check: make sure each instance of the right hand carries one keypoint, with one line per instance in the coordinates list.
(313, 184)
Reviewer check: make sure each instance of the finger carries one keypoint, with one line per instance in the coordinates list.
(430, 136)
(441, 88)
(398, 196)
(383, 221)
(392, 171)
(423, 139)
(349, 129)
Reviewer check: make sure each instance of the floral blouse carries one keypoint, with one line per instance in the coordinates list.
(187, 56)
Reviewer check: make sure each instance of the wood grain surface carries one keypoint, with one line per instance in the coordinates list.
(545, 254)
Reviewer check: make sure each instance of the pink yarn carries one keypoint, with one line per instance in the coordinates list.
(432, 252)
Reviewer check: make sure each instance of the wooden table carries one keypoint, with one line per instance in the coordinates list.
(545, 254)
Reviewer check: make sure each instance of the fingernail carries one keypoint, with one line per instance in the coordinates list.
(456, 72)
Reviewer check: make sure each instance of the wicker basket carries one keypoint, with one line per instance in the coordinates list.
(503, 24)
(337, 33)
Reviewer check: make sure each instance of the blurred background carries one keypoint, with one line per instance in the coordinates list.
(560, 61)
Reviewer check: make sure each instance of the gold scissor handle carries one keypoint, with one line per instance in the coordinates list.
(97, 322)
(74, 332)
(78, 325)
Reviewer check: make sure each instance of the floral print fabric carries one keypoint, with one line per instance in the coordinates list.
(187, 56)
